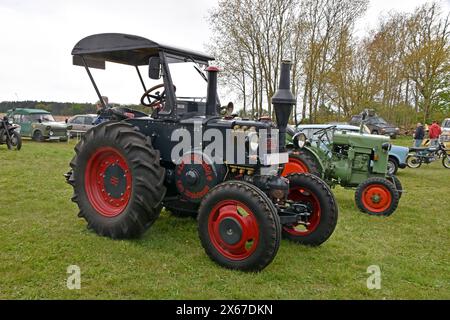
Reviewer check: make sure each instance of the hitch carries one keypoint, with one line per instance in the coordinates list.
(294, 214)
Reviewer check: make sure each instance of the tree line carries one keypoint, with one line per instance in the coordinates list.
(401, 68)
(56, 108)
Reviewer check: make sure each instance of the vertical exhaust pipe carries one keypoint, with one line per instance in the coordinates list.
(283, 101)
(211, 96)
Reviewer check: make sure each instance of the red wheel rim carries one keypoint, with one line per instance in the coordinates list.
(376, 198)
(305, 196)
(108, 182)
(294, 165)
(233, 229)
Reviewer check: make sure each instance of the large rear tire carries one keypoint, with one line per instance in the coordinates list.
(118, 181)
(377, 196)
(316, 194)
(239, 227)
(398, 185)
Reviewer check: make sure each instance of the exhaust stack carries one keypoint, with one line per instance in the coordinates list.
(283, 100)
(211, 96)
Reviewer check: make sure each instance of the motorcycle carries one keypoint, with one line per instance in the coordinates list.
(428, 155)
(9, 134)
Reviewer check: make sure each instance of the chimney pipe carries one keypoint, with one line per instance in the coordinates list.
(211, 97)
(283, 100)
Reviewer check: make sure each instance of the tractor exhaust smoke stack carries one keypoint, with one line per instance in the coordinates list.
(283, 100)
(211, 96)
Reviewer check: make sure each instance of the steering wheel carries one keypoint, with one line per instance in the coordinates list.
(158, 98)
(155, 98)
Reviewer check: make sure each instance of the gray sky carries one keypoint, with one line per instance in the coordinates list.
(37, 37)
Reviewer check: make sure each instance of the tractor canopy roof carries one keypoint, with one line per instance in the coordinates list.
(28, 111)
(125, 49)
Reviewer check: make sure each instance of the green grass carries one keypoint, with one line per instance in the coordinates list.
(40, 236)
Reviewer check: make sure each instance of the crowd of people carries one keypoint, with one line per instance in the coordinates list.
(434, 132)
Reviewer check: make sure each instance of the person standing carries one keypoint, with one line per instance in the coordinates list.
(435, 132)
(419, 134)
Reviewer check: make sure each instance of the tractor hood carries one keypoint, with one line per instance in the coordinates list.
(359, 140)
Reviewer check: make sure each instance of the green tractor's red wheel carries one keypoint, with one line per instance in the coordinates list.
(377, 196)
(117, 179)
(316, 195)
(301, 162)
(239, 227)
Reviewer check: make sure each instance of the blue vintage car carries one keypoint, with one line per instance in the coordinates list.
(397, 155)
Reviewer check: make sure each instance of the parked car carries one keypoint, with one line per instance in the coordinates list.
(446, 125)
(397, 154)
(38, 124)
(445, 135)
(80, 124)
(376, 125)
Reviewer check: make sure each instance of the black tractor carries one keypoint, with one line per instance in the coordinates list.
(185, 157)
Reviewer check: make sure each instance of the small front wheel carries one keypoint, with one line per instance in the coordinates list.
(15, 142)
(239, 227)
(377, 196)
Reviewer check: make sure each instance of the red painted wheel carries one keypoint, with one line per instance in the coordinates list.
(376, 198)
(239, 227)
(313, 229)
(117, 179)
(108, 182)
(295, 165)
(301, 161)
(305, 196)
(233, 229)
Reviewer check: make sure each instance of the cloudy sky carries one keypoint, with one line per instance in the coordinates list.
(37, 36)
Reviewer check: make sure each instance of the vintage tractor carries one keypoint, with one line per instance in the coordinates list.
(352, 160)
(185, 156)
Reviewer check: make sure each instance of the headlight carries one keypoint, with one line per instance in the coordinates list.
(50, 133)
(300, 140)
(48, 128)
(386, 146)
(253, 142)
(10, 121)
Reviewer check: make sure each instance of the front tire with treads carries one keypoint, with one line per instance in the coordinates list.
(310, 190)
(239, 227)
(118, 181)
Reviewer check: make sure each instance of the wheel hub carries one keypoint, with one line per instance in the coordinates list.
(192, 177)
(376, 198)
(230, 231)
(115, 181)
(108, 182)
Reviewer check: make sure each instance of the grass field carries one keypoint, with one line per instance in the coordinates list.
(40, 236)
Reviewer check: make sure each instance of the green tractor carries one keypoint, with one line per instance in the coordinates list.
(351, 160)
